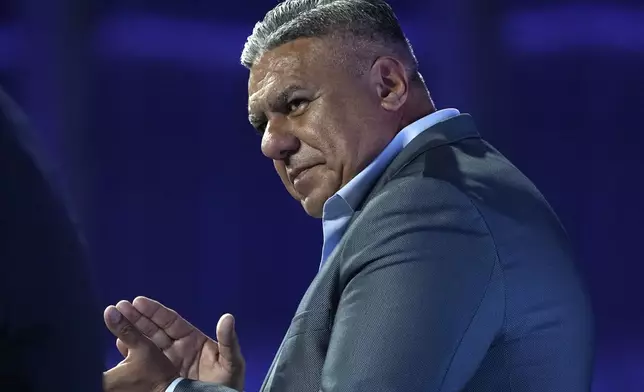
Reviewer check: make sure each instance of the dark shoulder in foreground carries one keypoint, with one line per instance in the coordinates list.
(50, 332)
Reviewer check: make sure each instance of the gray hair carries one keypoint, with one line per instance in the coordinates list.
(371, 24)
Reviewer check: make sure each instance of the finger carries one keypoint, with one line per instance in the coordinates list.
(145, 325)
(229, 348)
(175, 326)
(124, 330)
(121, 347)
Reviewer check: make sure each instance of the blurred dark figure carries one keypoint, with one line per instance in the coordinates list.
(50, 327)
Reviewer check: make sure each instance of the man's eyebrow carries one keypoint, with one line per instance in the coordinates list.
(277, 104)
(256, 119)
(282, 98)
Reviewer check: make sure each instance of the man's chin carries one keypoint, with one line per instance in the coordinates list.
(312, 205)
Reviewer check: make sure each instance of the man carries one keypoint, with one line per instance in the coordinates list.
(49, 322)
(443, 268)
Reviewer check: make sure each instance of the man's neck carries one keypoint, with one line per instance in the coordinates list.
(419, 104)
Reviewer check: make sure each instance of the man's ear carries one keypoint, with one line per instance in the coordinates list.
(389, 80)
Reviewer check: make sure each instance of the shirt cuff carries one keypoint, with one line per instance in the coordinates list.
(174, 384)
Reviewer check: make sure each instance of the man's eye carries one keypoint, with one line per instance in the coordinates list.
(297, 105)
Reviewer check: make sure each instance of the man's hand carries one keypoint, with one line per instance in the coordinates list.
(197, 356)
(145, 368)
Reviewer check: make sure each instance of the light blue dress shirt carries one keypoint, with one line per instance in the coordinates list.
(339, 209)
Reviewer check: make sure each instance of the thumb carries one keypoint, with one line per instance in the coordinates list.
(229, 347)
(121, 347)
(121, 327)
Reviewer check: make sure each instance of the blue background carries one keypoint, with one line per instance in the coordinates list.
(142, 107)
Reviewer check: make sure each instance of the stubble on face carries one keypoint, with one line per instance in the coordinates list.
(333, 131)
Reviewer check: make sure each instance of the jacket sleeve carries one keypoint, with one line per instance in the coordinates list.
(198, 386)
(422, 299)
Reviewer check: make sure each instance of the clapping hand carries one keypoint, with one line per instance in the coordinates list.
(190, 352)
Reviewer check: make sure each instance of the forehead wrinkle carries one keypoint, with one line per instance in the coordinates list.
(290, 59)
(274, 62)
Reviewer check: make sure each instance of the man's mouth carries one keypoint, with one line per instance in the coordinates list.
(300, 174)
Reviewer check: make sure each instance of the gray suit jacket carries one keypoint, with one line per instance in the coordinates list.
(454, 275)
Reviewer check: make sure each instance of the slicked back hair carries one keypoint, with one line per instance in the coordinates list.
(368, 27)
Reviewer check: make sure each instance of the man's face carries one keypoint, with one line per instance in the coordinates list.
(319, 122)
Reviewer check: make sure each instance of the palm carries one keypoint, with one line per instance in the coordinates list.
(197, 357)
(192, 352)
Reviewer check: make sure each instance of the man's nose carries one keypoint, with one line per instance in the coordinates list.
(278, 145)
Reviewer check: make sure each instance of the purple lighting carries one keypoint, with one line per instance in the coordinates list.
(575, 27)
(9, 50)
(170, 39)
(211, 46)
